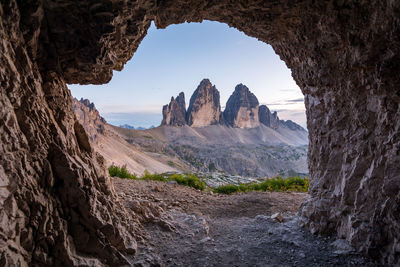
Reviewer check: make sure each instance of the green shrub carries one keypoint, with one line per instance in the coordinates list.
(120, 172)
(226, 189)
(278, 183)
(153, 177)
(190, 180)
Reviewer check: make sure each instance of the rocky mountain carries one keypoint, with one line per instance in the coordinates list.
(242, 108)
(264, 115)
(257, 151)
(127, 126)
(251, 152)
(89, 117)
(204, 108)
(110, 144)
(272, 120)
(175, 112)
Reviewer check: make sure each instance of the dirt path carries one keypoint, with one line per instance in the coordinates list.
(186, 227)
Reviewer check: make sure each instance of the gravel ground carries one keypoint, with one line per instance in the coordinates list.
(186, 227)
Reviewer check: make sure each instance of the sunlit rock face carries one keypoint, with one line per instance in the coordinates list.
(89, 117)
(174, 113)
(242, 108)
(204, 107)
(344, 55)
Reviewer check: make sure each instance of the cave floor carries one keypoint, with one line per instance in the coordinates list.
(187, 227)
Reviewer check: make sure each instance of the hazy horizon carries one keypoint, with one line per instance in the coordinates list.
(176, 59)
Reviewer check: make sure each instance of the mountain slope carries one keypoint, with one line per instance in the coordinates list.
(115, 149)
(259, 151)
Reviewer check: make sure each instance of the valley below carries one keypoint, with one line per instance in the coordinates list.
(219, 149)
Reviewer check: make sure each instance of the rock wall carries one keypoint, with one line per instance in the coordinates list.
(204, 107)
(264, 115)
(242, 108)
(272, 120)
(89, 117)
(175, 112)
(58, 206)
(56, 200)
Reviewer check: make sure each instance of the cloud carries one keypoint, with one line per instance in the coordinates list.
(289, 90)
(296, 100)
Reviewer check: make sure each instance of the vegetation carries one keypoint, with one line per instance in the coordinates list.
(297, 184)
(278, 183)
(191, 180)
(120, 172)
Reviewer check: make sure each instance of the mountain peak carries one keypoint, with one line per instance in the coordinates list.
(242, 108)
(174, 113)
(241, 111)
(204, 107)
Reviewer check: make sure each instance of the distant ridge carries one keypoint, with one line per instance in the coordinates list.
(130, 127)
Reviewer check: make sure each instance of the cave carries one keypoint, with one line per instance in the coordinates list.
(58, 204)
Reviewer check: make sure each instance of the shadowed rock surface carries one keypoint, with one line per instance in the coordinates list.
(175, 112)
(242, 108)
(272, 120)
(57, 203)
(264, 115)
(204, 107)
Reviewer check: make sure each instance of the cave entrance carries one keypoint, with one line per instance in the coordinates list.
(178, 59)
(218, 134)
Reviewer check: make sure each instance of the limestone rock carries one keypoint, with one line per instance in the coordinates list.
(277, 217)
(175, 112)
(89, 117)
(272, 120)
(292, 125)
(264, 115)
(204, 108)
(242, 108)
(275, 121)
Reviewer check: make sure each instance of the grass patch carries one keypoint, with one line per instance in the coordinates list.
(296, 184)
(191, 180)
(280, 184)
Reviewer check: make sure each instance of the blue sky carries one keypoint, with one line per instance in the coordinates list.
(176, 59)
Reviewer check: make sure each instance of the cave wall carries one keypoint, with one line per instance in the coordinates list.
(344, 55)
(58, 207)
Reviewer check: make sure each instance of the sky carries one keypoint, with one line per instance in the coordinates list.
(176, 59)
